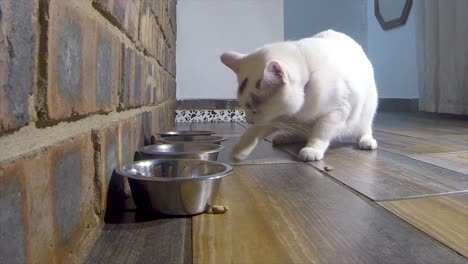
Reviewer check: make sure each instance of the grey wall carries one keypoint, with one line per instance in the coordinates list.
(303, 18)
(393, 53)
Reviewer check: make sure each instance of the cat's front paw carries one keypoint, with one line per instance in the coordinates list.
(367, 143)
(239, 154)
(310, 154)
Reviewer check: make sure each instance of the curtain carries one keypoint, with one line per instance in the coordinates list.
(442, 44)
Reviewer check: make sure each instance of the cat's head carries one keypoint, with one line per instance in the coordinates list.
(265, 88)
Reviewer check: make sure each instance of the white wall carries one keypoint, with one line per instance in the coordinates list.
(393, 54)
(206, 28)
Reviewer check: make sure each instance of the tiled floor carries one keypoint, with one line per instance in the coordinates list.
(405, 203)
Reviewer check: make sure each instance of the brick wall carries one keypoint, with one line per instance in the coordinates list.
(84, 83)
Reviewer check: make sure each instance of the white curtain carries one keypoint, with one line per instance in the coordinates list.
(442, 30)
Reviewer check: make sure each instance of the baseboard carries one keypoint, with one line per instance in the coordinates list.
(398, 105)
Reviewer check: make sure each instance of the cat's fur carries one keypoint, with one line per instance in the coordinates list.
(325, 84)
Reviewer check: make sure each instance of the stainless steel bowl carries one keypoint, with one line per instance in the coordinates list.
(174, 187)
(197, 139)
(185, 133)
(181, 151)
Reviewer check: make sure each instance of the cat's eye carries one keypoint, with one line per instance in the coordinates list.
(257, 85)
(242, 86)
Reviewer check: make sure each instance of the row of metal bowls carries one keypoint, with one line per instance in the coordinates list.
(180, 176)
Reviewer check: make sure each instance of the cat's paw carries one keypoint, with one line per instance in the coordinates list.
(367, 143)
(239, 154)
(310, 154)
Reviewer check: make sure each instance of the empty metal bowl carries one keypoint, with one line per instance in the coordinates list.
(180, 151)
(174, 187)
(197, 139)
(185, 133)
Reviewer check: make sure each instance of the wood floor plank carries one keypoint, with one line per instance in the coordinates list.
(444, 218)
(264, 153)
(291, 213)
(396, 123)
(155, 241)
(456, 161)
(414, 146)
(382, 175)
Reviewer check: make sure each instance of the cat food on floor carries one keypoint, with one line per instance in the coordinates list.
(217, 209)
(328, 168)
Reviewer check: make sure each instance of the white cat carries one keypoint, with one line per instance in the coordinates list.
(324, 83)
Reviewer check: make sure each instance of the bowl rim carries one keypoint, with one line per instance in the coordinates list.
(228, 170)
(172, 133)
(214, 148)
(207, 141)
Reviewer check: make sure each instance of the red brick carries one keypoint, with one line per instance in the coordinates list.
(162, 50)
(127, 148)
(108, 69)
(171, 110)
(13, 223)
(138, 83)
(146, 127)
(172, 88)
(72, 169)
(173, 16)
(114, 146)
(128, 77)
(133, 92)
(41, 220)
(125, 14)
(151, 82)
(155, 6)
(166, 87)
(155, 122)
(18, 48)
(163, 16)
(106, 147)
(147, 82)
(159, 88)
(149, 30)
(56, 193)
(72, 62)
(162, 117)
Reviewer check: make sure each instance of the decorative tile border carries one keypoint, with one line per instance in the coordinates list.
(214, 115)
(222, 104)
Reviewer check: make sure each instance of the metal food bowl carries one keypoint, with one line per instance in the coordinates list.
(174, 187)
(196, 139)
(181, 151)
(185, 133)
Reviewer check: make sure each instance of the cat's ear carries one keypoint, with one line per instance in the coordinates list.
(232, 60)
(274, 73)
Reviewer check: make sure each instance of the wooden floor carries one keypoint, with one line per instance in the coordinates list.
(404, 203)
